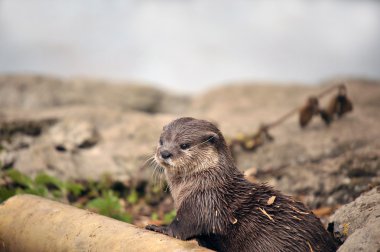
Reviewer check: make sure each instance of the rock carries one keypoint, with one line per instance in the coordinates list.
(31, 223)
(358, 223)
(82, 129)
(25, 92)
(7, 159)
(30, 127)
(87, 143)
(313, 163)
(322, 166)
(328, 182)
(243, 107)
(70, 135)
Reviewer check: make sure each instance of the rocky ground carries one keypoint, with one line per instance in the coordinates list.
(83, 129)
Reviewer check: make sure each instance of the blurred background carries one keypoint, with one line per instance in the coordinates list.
(86, 87)
(188, 46)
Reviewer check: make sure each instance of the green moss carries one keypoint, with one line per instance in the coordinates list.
(154, 216)
(19, 178)
(169, 217)
(133, 197)
(108, 204)
(101, 196)
(46, 180)
(6, 193)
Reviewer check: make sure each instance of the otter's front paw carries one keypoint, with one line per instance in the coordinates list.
(159, 229)
(163, 230)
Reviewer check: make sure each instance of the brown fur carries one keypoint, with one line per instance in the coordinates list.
(219, 207)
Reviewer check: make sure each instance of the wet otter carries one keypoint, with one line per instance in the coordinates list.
(219, 207)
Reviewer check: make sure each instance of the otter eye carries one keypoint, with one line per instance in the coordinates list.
(184, 146)
(161, 143)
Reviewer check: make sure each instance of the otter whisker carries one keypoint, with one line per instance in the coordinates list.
(153, 174)
(201, 143)
(156, 172)
(148, 160)
(159, 172)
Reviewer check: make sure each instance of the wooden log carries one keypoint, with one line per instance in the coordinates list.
(31, 223)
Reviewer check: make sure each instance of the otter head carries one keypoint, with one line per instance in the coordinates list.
(188, 145)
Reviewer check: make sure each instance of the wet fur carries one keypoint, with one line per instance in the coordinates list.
(222, 210)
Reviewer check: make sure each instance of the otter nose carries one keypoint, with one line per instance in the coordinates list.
(165, 154)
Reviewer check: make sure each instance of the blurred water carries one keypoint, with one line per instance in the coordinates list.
(193, 44)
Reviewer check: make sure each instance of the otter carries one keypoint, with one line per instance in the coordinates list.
(218, 207)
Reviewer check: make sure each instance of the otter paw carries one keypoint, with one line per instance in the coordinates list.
(155, 228)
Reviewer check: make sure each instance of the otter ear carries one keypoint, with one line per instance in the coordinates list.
(211, 137)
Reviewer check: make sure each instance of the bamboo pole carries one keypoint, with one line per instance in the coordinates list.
(31, 223)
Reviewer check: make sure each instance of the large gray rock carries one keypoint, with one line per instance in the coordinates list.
(358, 223)
(81, 129)
(87, 143)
